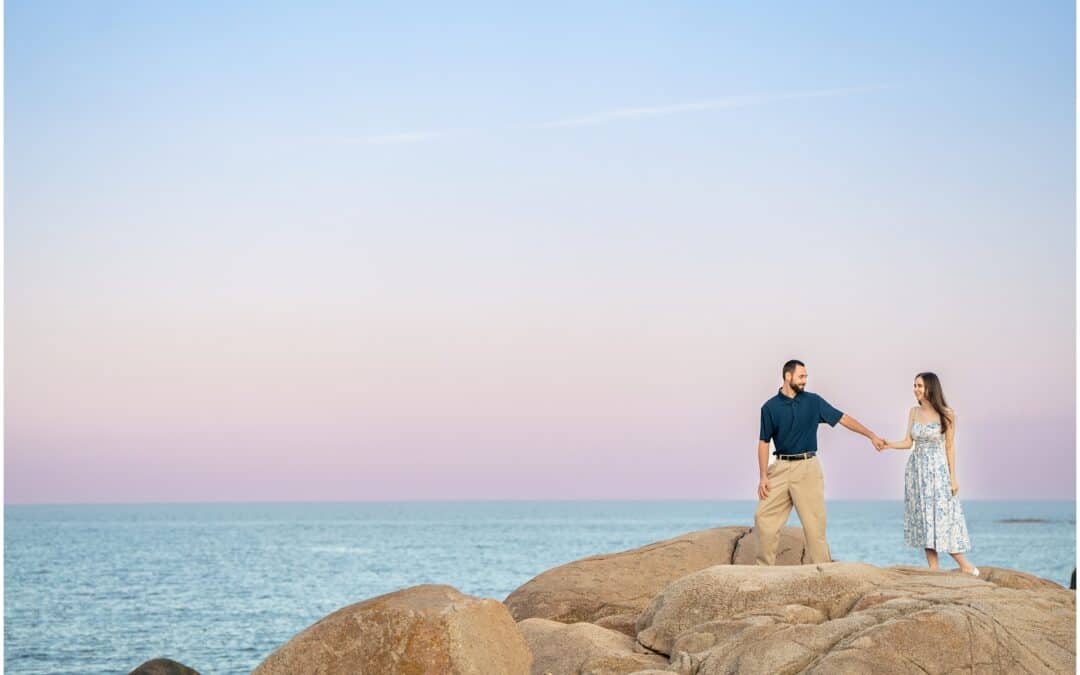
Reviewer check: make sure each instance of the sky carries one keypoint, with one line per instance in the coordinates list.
(378, 251)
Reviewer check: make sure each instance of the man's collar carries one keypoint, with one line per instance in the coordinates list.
(785, 397)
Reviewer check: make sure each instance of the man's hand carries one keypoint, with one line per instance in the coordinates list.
(853, 424)
(763, 487)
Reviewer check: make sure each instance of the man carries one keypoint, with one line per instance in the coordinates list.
(790, 420)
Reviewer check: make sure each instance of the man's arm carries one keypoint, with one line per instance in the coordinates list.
(763, 469)
(764, 437)
(850, 423)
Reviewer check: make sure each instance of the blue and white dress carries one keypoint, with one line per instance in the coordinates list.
(933, 517)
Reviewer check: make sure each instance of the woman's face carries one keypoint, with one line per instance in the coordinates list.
(920, 389)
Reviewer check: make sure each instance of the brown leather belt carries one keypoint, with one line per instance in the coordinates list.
(795, 458)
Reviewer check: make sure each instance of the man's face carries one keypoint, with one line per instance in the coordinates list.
(798, 379)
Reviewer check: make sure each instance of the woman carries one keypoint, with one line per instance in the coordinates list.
(933, 517)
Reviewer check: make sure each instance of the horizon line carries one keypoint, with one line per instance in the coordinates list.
(493, 500)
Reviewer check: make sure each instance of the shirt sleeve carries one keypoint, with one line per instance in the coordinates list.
(767, 430)
(828, 414)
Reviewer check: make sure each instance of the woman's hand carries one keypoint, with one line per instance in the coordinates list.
(955, 488)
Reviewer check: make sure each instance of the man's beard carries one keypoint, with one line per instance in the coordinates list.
(798, 387)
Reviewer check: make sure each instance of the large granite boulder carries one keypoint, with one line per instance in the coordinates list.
(790, 551)
(851, 617)
(1022, 581)
(615, 587)
(577, 648)
(724, 591)
(951, 622)
(419, 630)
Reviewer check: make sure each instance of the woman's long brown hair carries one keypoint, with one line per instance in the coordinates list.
(934, 394)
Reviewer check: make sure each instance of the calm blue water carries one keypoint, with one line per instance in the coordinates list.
(100, 589)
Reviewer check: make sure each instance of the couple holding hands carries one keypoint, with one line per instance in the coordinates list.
(933, 517)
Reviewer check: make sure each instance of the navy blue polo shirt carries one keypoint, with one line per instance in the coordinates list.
(791, 423)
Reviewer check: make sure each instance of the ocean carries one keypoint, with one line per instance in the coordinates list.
(100, 589)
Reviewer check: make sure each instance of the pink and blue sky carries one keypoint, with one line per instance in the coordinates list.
(321, 251)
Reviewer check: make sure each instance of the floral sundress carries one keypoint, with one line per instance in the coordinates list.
(933, 517)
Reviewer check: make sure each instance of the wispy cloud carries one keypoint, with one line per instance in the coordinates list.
(410, 137)
(624, 114)
(713, 104)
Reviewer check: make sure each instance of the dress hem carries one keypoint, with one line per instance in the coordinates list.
(939, 550)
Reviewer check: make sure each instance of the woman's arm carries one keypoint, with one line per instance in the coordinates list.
(950, 450)
(906, 443)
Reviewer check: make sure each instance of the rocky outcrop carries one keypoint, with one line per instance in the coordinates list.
(686, 605)
(602, 587)
(569, 649)
(1021, 581)
(790, 551)
(851, 617)
(622, 623)
(419, 630)
(715, 594)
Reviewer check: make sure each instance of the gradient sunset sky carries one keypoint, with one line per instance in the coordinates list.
(366, 251)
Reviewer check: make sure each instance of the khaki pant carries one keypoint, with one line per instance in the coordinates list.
(799, 483)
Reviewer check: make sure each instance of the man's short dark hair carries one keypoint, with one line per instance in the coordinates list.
(789, 367)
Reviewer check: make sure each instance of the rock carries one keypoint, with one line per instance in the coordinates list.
(600, 586)
(851, 617)
(727, 591)
(786, 649)
(1014, 579)
(1072, 580)
(704, 636)
(682, 606)
(623, 623)
(163, 667)
(583, 649)
(423, 629)
(790, 551)
(999, 630)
